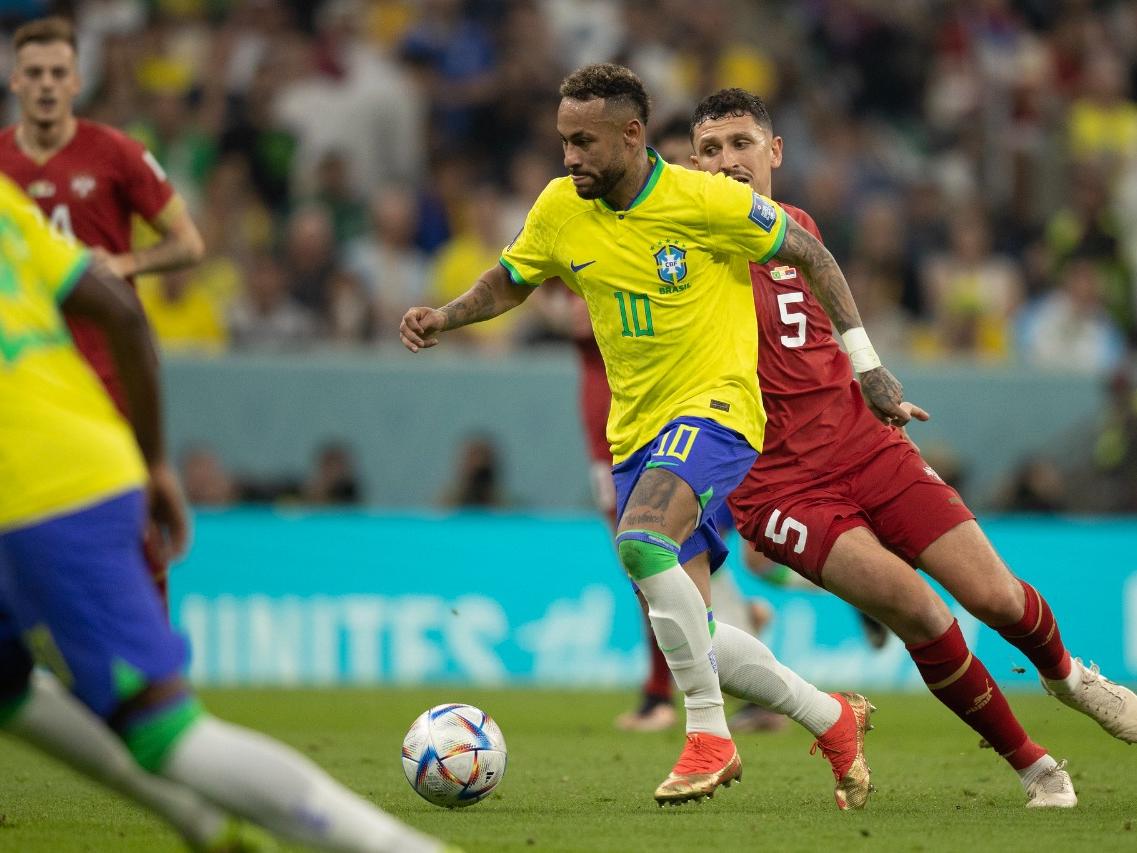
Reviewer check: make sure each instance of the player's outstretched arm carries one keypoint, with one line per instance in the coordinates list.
(882, 391)
(105, 299)
(493, 294)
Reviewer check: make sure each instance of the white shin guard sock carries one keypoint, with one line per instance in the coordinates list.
(57, 723)
(272, 785)
(679, 619)
(748, 670)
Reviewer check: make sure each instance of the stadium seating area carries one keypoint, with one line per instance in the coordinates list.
(973, 165)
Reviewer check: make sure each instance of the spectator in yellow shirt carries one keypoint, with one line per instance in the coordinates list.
(184, 313)
(1103, 122)
(477, 245)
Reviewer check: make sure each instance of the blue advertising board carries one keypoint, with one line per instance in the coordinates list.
(280, 598)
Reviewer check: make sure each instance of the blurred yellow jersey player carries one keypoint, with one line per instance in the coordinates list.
(668, 293)
(52, 402)
(74, 592)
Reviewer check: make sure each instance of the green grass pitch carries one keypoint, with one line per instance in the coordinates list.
(575, 784)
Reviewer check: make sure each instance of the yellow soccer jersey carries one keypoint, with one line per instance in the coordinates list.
(63, 445)
(668, 290)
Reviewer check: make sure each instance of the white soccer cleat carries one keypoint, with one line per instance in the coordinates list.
(1052, 790)
(1111, 705)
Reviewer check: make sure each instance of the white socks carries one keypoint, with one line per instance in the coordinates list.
(264, 781)
(679, 619)
(748, 670)
(54, 721)
(1070, 683)
(1028, 775)
(245, 773)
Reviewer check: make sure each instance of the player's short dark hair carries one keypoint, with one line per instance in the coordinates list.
(732, 102)
(613, 83)
(45, 31)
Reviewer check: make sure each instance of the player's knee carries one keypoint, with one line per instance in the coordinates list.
(993, 601)
(924, 624)
(644, 553)
(916, 615)
(996, 608)
(153, 721)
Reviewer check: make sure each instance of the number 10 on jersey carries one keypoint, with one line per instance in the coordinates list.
(639, 307)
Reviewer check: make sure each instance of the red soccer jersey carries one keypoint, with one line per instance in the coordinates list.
(818, 423)
(89, 189)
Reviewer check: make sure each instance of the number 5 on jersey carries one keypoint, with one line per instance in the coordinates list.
(779, 533)
(792, 318)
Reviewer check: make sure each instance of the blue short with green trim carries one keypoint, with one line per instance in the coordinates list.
(709, 458)
(75, 593)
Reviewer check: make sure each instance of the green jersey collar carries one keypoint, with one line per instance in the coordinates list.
(657, 164)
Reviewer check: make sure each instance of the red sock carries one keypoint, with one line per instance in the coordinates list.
(658, 684)
(1036, 635)
(959, 680)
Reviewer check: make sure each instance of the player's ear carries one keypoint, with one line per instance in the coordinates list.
(775, 152)
(634, 134)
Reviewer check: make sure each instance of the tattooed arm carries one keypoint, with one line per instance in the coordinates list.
(493, 293)
(880, 388)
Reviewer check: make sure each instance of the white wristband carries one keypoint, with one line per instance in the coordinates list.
(860, 350)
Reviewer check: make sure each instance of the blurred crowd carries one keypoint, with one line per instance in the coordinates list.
(972, 164)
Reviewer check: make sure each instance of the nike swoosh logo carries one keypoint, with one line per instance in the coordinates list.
(576, 268)
(677, 648)
(661, 465)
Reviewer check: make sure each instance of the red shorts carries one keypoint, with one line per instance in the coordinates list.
(893, 493)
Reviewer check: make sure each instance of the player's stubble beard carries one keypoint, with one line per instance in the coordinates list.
(604, 181)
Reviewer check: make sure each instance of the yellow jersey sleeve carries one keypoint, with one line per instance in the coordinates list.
(57, 261)
(743, 222)
(63, 445)
(529, 258)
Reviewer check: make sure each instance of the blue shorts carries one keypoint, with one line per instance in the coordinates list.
(76, 595)
(709, 458)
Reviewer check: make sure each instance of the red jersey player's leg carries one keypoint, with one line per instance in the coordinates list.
(824, 534)
(928, 522)
(879, 582)
(891, 485)
(799, 527)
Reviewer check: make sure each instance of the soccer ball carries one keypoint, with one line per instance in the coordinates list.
(454, 755)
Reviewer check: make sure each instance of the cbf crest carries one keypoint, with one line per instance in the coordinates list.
(671, 264)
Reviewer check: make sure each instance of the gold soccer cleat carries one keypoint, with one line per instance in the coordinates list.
(843, 744)
(707, 762)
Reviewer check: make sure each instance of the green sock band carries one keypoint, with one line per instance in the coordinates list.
(9, 708)
(151, 741)
(644, 553)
